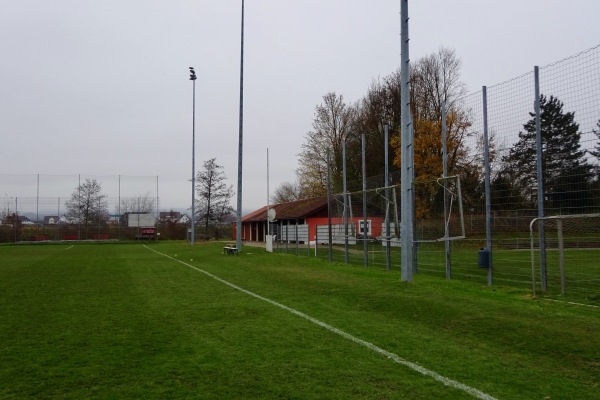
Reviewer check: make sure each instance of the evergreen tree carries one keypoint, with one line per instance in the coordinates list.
(566, 174)
(596, 151)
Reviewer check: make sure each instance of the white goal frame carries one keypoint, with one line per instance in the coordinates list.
(561, 254)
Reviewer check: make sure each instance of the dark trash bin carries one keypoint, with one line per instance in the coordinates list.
(483, 258)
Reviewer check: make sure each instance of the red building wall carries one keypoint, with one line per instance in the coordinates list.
(375, 224)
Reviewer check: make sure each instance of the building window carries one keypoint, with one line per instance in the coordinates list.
(361, 229)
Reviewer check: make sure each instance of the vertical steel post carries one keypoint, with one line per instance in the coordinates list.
(364, 188)
(406, 194)
(157, 211)
(329, 234)
(345, 219)
(561, 256)
(540, 178)
(193, 219)
(445, 175)
(238, 224)
(488, 196)
(37, 203)
(268, 201)
(16, 219)
(388, 250)
(119, 210)
(79, 206)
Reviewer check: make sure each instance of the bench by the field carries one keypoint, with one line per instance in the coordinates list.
(40, 238)
(101, 236)
(230, 249)
(70, 237)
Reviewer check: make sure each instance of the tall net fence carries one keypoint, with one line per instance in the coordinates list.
(572, 243)
(50, 207)
(569, 166)
(569, 115)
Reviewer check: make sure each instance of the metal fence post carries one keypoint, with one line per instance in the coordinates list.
(540, 179)
(488, 199)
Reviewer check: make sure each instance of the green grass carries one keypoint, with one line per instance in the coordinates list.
(113, 321)
(511, 267)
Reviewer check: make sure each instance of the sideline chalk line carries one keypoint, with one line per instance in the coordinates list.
(399, 360)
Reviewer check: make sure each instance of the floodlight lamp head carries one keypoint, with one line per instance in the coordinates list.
(192, 74)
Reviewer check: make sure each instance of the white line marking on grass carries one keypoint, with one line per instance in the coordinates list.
(572, 303)
(415, 367)
(70, 247)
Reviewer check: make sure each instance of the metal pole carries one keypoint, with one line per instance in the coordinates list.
(268, 224)
(488, 196)
(540, 179)
(58, 213)
(119, 210)
(345, 194)
(157, 211)
(37, 203)
(406, 197)
(329, 235)
(388, 250)
(364, 187)
(445, 175)
(561, 256)
(193, 226)
(238, 224)
(16, 220)
(79, 206)
(296, 237)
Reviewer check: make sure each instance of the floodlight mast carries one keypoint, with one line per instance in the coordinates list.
(238, 224)
(407, 167)
(193, 227)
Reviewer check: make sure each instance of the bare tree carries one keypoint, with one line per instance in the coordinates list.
(143, 203)
(331, 124)
(214, 194)
(435, 79)
(286, 192)
(87, 204)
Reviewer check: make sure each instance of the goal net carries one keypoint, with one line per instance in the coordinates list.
(565, 254)
(438, 210)
(366, 215)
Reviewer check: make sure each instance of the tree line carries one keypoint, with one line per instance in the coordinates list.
(569, 176)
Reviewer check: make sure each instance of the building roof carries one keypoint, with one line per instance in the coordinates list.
(292, 210)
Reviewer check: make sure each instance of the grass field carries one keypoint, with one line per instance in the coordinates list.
(170, 320)
(511, 266)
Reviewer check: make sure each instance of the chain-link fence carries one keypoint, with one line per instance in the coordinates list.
(543, 149)
(40, 207)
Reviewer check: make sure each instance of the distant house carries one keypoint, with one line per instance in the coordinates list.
(184, 219)
(169, 216)
(310, 216)
(25, 221)
(51, 220)
(22, 219)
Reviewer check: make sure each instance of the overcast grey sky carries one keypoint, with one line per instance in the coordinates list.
(101, 88)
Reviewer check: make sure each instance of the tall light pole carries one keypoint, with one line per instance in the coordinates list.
(238, 224)
(193, 230)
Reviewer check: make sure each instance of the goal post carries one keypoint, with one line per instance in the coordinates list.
(439, 210)
(571, 244)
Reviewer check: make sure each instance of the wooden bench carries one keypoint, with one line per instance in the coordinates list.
(231, 249)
